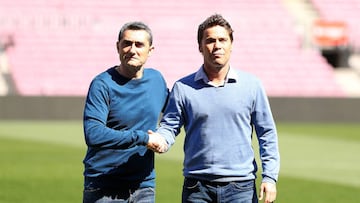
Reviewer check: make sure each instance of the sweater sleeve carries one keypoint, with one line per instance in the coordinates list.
(171, 121)
(267, 137)
(97, 133)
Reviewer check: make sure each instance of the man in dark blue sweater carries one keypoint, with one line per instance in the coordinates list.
(122, 104)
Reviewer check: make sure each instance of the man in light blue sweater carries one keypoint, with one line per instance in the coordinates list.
(219, 108)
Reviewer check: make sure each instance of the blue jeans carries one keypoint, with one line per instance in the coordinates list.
(98, 195)
(198, 191)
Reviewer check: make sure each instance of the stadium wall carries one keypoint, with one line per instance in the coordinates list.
(285, 109)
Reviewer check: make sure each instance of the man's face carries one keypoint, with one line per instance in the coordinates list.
(134, 49)
(216, 47)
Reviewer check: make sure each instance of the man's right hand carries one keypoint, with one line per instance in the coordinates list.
(156, 143)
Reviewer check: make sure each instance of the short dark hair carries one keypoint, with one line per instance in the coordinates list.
(136, 25)
(212, 21)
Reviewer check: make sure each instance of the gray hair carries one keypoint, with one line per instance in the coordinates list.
(136, 25)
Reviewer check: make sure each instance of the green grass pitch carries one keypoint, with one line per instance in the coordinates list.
(41, 161)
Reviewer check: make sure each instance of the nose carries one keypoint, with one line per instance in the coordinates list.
(217, 44)
(132, 48)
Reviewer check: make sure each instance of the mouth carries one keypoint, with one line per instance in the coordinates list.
(217, 54)
(130, 58)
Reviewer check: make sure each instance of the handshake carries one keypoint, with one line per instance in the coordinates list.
(156, 143)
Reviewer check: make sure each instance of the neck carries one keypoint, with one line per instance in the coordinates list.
(216, 75)
(131, 72)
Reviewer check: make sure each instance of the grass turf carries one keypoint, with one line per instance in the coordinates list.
(41, 162)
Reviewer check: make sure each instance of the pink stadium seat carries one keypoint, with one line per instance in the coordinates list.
(61, 45)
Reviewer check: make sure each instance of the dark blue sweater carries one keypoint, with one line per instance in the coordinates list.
(118, 112)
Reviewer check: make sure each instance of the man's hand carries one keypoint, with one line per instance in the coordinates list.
(156, 143)
(270, 192)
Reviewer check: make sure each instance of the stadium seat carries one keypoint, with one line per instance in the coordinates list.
(62, 45)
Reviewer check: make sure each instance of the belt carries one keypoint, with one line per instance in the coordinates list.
(211, 183)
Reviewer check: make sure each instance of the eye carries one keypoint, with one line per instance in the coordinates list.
(210, 40)
(139, 44)
(126, 43)
(223, 39)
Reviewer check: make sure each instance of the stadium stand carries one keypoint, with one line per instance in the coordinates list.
(346, 11)
(61, 45)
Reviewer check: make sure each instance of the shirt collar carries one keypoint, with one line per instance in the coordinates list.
(230, 77)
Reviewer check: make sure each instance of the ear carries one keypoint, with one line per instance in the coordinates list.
(151, 49)
(200, 49)
(117, 46)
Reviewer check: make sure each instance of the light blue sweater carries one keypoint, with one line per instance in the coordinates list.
(219, 123)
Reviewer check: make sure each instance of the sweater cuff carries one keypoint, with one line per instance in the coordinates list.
(267, 179)
(143, 137)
